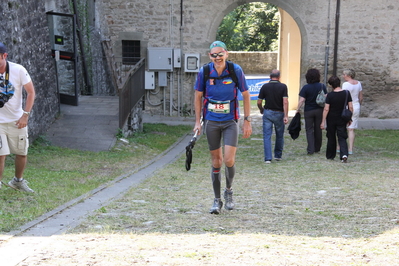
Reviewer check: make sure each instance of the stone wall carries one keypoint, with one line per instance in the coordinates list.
(25, 32)
(135, 121)
(368, 42)
(255, 62)
(368, 37)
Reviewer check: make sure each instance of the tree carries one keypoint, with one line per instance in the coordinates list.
(250, 27)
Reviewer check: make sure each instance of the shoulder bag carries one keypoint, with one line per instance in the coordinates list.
(321, 97)
(346, 113)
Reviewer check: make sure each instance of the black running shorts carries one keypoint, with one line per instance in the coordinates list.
(215, 130)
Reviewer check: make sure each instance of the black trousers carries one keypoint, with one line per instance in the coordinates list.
(314, 133)
(336, 128)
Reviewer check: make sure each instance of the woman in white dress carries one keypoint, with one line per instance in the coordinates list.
(355, 88)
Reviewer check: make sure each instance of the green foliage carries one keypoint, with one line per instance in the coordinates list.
(250, 27)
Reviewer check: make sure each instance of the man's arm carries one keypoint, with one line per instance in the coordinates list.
(247, 128)
(30, 99)
(285, 106)
(30, 96)
(198, 110)
(260, 105)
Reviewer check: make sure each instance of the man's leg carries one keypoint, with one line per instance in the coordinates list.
(2, 164)
(216, 156)
(20, 164)
(279, 128)
(230, 153)
(230, 138)
(214, 136)
(18, 182)
(229, 161)
(267, 136)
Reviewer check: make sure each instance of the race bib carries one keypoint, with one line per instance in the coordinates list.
(220, 107)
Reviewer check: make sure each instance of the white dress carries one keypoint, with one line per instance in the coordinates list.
(354, 90)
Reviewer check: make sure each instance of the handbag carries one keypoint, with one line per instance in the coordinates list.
(346, 113)
(321, 97)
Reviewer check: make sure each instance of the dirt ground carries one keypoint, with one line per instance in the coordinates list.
(287, 214)
(214, 249)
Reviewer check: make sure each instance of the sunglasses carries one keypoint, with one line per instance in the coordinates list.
(214, 55)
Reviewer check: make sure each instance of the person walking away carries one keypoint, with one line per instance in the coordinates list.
(336, 126)
(355, 88)
(275, 113)
(14, 119)
(313, 113)
(216, 100)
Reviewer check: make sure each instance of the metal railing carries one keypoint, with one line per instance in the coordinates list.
(128, 79)
(130, 92)
(124, 80)
(104, 79)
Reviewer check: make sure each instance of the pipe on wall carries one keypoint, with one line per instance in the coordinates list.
(337, 13)
(180, 90)
(82, 50)
(327, 45)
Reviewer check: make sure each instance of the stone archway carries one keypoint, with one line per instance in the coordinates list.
(290, 57)
(290, 44)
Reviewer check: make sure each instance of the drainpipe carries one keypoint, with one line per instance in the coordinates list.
(327, 46)
(336, 38)
(181, 86)
(82, 50)
(172, 76)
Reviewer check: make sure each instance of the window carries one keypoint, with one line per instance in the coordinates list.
(130, 52)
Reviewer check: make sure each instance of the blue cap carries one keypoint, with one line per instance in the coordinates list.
(218, 44)
(3, 48)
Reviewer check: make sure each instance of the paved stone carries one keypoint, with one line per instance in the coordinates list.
(90, 126)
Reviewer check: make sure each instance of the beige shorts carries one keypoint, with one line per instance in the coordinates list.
(13, 140)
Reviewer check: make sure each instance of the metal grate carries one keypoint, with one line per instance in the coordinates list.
(130, 52)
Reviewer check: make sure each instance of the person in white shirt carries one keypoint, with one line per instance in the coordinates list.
(13, 119)
(355, 88)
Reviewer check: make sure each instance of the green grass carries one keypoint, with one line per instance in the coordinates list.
(305, 195)
(379, 142)
(303, 210)
(59, 175)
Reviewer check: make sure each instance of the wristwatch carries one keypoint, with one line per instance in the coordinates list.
(26, 113)
(248, 118)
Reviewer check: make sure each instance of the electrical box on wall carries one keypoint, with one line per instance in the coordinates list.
(160, 59)
(149, 80)
(162, 79)
(191, 62)
(176, 58)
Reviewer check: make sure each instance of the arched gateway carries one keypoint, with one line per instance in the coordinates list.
(366, 41)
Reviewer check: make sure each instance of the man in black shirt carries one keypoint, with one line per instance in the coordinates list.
(275, 112)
